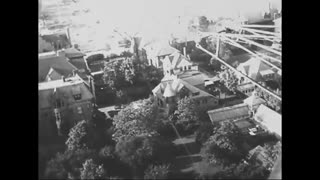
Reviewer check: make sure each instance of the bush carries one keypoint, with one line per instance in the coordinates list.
(157, 172)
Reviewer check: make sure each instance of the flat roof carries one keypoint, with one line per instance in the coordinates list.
(59, 83)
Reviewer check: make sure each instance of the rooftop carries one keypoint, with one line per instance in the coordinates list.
(269, 119)
(60, 83)
(230, 112)
(73, 53)
(56, 62)
(252, 67)
(245, 86)
(176, 85)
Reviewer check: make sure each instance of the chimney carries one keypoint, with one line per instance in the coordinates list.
(74, 72)
(184, 51)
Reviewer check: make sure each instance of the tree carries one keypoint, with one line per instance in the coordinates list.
(189, 114)
(152, 74)
(138, 118)
(224, 146)
(45, 16)
(229, 79)
(272, 102)
(68, 163)
(77, 136)
(243, 170)
(273, 151)
(157, 172)
(91, 170)
(136, 152)
(186, 114)
(92, 134)
(203, 23)
(139, 151)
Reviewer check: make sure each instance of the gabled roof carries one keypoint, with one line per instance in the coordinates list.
(63, 89)
(176, 59)
(175, 85)
(254, 100)
(269, 118)
(230, 112)
(253, 67)
(59, 64)
(166, 50)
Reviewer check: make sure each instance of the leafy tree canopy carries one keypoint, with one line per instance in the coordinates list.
(138, 118)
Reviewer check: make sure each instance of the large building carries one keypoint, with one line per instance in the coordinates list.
(63, 103)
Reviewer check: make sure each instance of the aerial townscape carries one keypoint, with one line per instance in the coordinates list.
(160, 89)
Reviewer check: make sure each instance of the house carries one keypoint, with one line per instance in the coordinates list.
(255, 69)
(268, 119)
(156, 51)
(52, 67)
(169, 91)
(254, 101)
(176, 62)
(63, 103)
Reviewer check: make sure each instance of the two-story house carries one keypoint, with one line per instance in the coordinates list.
(157, 51)
(63, 103)
(255, 69)
(176, 63)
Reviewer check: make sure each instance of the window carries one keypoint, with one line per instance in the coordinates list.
(59, 103)
(77, 97)
(195, 94)
(189, 67)
(181, 69)
(79, 110)
(76, 92)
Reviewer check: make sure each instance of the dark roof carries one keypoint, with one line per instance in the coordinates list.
(73, 53)
(58, 63)
(79, 63)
